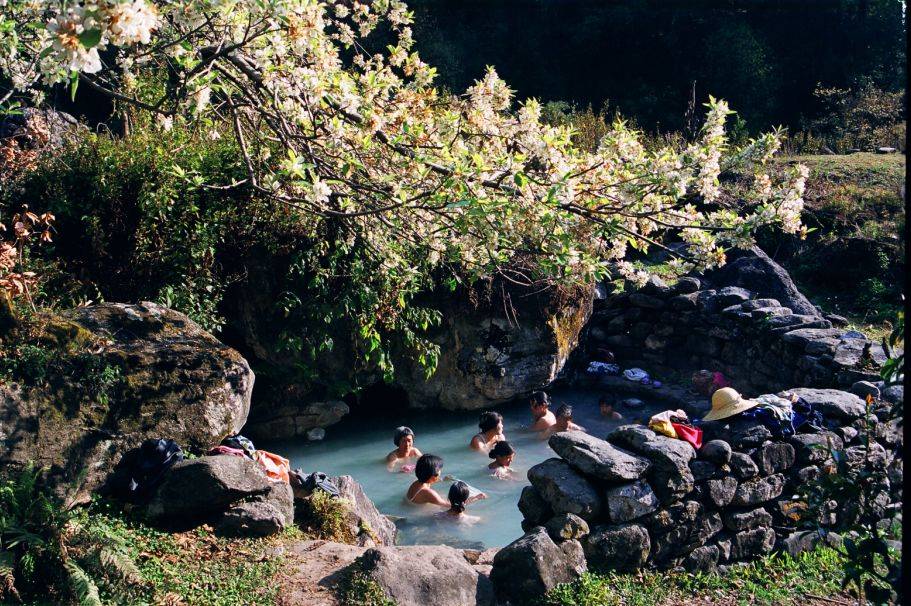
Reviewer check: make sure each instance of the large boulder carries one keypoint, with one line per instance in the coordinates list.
(565, 489)
(756, 271)
(535, 510)
(231, 492)
(428, 575)
(680, 528)
(488, 357)
(121, 374)
(366, 522)
(529, 567)
(596, 457)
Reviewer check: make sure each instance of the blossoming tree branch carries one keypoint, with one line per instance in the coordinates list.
(337, 117)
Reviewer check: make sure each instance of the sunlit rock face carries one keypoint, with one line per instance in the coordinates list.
(497, 351)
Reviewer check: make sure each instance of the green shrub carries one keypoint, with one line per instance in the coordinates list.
(28, 363)
(168, 217)
(46, 555)
(357, 589)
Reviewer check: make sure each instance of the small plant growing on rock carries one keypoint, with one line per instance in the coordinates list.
(327, 517)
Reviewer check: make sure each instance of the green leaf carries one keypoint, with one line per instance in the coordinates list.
(90, 38)
(74, 85)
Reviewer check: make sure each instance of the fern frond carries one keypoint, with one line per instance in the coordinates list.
(81, 584)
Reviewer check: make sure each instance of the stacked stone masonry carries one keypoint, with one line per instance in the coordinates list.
(638, 499)
(761, 344)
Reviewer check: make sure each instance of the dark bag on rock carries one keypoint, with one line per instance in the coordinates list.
(153, 458)
(316, 480)
(240, 443)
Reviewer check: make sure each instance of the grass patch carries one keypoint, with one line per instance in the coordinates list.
(775, 579)
(193, 567)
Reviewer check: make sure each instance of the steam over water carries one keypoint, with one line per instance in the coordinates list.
(358, 445)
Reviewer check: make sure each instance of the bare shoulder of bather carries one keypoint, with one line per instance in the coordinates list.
(428, 496)
(478, 443)
(393, 457)
(544, 422)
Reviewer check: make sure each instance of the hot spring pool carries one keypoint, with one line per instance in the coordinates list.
(358, 445)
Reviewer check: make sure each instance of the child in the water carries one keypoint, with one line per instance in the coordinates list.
(491, 426)
(427, 470)
(405, 449)
(541, 417)
(564, 421)
(503, 455)
(459, 498)
(607, 409)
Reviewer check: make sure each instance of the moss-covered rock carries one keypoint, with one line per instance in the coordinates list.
(495, 352)
(112, 375)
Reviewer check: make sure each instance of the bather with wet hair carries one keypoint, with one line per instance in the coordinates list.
(564, 421)
(427, 470)
(541, 416)
(404, 449)
(491, 426)
(503, 454)
(459, 498)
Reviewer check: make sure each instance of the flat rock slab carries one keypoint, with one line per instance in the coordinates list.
(630, 501)
(623, 547)
(311, 571)
(670, 475)
(598, 458)
(832, 403)
(565, 489)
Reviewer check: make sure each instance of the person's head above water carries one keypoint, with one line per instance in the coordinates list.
(403, 433)
(565, 412)
(490, 421)
(605, 402)
(458, 494)
(428, 467)
(503, 452)
(539, 403)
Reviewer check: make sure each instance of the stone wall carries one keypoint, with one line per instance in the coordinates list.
(760, 343)
(639, 499)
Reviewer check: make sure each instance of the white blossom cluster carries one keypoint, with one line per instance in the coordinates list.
(424, 178)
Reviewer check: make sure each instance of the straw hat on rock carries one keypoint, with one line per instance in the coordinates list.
(727, 402)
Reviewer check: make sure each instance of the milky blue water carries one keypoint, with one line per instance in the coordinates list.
(358, 445)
